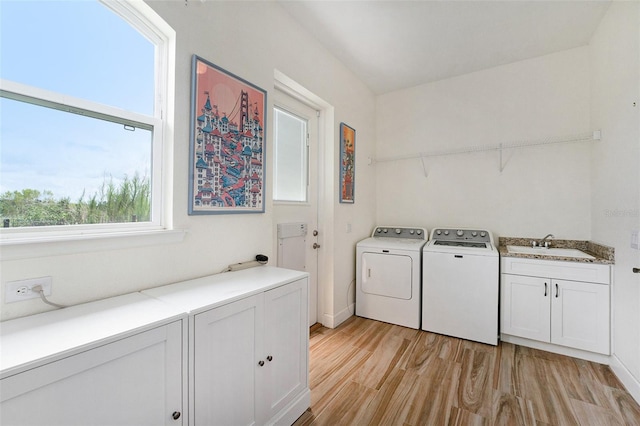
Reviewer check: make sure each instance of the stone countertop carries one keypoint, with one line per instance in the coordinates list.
(603, 254)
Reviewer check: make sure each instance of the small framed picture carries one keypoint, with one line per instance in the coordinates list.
(347, 163)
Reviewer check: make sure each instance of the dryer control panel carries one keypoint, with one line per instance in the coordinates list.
(400, 232)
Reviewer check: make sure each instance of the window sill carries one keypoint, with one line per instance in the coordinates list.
(291, 203)
(44, 246)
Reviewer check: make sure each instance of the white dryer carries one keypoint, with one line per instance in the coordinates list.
(388, 275)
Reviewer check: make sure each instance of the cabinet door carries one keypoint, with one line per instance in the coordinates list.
(226, 341)
(580, 315)
(286, 346)
(133, 381)
(526, 310)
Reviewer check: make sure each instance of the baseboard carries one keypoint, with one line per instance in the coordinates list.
(332, 321)
(624, 375)
(562, 350)
(293, 411)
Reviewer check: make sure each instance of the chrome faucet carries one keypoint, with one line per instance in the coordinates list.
(543, 242)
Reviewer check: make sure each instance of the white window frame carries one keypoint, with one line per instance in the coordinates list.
(279, 106)
(27, 242)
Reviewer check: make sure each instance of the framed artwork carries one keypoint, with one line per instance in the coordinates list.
(347, 163)
(227, 145)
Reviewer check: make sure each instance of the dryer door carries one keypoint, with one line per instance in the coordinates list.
(387, 275)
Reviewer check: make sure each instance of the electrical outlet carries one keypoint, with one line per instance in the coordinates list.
(17, 291)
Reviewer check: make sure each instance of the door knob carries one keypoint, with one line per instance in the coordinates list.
(316, 245)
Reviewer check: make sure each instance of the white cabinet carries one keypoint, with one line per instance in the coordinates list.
(250, 358)
(123, 375)
(249, 345)
(546, 307)
(228, 349)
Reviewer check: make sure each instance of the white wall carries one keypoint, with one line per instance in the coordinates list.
(541, 190)
(250, 39)
(615, 86)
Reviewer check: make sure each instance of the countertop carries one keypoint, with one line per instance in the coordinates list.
(603, 254)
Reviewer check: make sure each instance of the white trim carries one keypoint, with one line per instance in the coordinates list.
(624, 375)
(332, 321)
(562, 350)
(15, 241)
(77, 243)
(326, 188)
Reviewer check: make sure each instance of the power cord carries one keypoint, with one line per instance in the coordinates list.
(38, 289)
(261, 259)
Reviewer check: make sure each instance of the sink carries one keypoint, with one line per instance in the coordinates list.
(558, 252)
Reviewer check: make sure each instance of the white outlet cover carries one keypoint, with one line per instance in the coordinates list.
(11, 294)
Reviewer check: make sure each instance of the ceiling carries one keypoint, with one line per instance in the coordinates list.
(392, 45)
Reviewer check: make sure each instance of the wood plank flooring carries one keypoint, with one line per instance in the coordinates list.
(367, 372)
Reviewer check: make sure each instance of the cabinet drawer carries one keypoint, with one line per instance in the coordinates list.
(573, 271)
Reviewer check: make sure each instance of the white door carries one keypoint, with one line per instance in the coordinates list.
(295, 182)
(526, 309)
(580, 315)
(388, 275)
(133, 381)
(228, 342)
(285, 352)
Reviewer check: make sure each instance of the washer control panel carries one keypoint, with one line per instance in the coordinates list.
(400, 232)
(462, 234)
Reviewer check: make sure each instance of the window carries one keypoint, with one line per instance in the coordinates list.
(291, 153)
(82, 98)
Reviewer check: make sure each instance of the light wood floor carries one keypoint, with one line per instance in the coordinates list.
(371, 373)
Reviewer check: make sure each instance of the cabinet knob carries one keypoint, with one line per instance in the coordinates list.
(636, 270)
(269, 358)
(261, 363)
(176, 415)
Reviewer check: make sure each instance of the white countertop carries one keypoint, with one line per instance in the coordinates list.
(38, 339)
(215, 290)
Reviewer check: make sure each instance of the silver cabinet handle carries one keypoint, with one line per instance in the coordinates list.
(261, 363)
(176, 415)
(316, 245)
(545, 289)
(556, 290)
(269, 358)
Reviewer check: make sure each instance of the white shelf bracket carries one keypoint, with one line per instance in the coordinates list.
(424, 166)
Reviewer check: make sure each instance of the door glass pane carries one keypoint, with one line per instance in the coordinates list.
(290, 157)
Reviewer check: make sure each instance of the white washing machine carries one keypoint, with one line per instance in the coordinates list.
(388, 275)
(460, 284)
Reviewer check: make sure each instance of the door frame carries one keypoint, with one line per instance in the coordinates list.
(326, 189)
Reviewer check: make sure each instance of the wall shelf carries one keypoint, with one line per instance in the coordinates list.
(583, 137)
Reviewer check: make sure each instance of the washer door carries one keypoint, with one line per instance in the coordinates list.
(387, 275)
